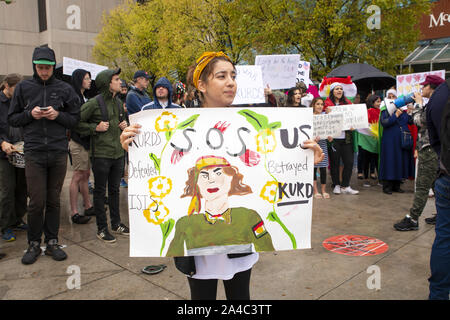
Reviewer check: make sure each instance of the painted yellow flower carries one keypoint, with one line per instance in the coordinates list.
(156, 213)
(166, 122)
(159, 186)
(266, 141)
(269, 192)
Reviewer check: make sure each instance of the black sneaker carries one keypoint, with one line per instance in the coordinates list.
(76, 218)
(54, 249)
(2, 255)
(106, 236)
(431, 220)
(121, 229)
(89, 212)
(33, 252)
(407, 224)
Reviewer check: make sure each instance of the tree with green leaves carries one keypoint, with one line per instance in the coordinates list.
(164, 37)
(329, 33)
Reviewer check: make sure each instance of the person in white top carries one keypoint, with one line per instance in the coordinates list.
(214, 76)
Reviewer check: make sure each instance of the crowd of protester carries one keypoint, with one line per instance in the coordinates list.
(53, 118)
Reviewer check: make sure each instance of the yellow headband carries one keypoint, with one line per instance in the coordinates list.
(209, 161)
(203, 61)
(204, 162)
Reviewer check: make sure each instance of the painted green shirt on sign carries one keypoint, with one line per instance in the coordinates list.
(195, 231)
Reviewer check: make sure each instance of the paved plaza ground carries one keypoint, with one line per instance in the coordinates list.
(107, 271)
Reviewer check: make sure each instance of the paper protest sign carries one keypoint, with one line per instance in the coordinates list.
(409, 83)
(328, 125)
(70, 65)
(303, 73)
(279, 71)
(250, 88)
(355, 115)
(220, 180)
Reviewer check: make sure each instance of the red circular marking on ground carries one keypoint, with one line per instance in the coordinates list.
(354, 245)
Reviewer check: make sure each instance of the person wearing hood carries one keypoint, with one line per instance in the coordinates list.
(396, 159)
(162, 93)
(46, 108)
(13, 185)
(79, 150)
(137, 97)
(108, 157)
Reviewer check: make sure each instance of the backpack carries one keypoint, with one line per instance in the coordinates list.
(104, 111)
(445, 135)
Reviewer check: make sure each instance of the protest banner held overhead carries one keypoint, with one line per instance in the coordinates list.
(222, 180)
(279, 71)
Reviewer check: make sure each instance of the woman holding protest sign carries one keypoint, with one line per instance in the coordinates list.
(214, 77)
(341, 147)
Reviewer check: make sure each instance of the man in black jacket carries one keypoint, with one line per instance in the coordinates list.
(45, 107)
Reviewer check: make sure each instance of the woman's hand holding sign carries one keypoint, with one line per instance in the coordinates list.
(128, 135)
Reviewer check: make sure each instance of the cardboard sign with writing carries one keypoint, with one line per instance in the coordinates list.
(279, 71)
(70, 65)
(409, 83)
(328, 125)
(220, 180)
(355, 115)
(303, 73)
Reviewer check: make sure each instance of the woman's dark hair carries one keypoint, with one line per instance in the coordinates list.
(371, 100)
(237, 186)
(11, 80)
(290, 97)
(343, 99)
(207, 71)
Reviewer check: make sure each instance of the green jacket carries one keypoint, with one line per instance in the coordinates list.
(103, 144)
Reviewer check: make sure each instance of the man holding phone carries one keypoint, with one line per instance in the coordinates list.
(45, 107)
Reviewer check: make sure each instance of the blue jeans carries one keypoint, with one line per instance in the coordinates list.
(440, 252)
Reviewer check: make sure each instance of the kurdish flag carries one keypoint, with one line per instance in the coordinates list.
(368, 138)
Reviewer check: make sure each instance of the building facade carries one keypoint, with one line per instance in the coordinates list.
(433, 50)
(67, 26)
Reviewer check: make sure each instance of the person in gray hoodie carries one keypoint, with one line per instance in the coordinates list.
(162, 95)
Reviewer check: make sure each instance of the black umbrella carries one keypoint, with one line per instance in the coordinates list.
(365, 76)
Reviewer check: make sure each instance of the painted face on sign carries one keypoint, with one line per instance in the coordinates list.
(214, 183)
(220, 89)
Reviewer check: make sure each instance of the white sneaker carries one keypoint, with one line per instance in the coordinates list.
(337, 189)
(349, 190)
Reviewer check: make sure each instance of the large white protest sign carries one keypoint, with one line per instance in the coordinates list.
(220, 180)
(328, 125)
(355, 115)
(409, 83)
(70, 65)
(279, 71)
(250, 87)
